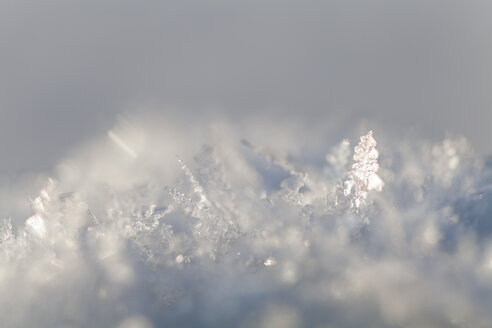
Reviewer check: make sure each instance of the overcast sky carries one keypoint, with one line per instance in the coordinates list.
(67, 68)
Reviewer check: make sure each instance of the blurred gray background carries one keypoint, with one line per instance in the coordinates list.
(67, 68)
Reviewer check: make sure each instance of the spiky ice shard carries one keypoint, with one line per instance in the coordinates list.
(363, 178)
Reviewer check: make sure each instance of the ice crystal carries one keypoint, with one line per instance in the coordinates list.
(363, 177)
(37, 225)
(212, 229)
(5, 231)
(290, 189)
(270, 261)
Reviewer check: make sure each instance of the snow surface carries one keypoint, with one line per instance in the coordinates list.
(156, 227)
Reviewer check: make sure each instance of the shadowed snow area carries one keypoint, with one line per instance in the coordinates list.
(160, 224)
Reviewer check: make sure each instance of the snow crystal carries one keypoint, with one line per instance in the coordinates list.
(363, 177)
(270, 261)
(179, 258)
(37, 225)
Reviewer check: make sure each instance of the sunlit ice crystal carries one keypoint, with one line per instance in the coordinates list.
(41, 203)
(270, 261)
(38, 205)
(36, 224)
(363, 178)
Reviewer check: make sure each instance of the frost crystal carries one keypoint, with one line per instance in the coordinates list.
(363, 177)
(5, 231)
(37, 225)
(270, 261)
(212, 229)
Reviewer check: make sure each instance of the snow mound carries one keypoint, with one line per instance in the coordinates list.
(235, 234)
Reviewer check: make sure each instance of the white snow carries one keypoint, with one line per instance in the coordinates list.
(238, 235)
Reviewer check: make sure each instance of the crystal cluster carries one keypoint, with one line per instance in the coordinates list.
(363, 177)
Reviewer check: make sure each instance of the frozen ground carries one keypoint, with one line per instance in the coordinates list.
(250, 225)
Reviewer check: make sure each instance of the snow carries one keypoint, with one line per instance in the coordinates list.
(230, 233)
